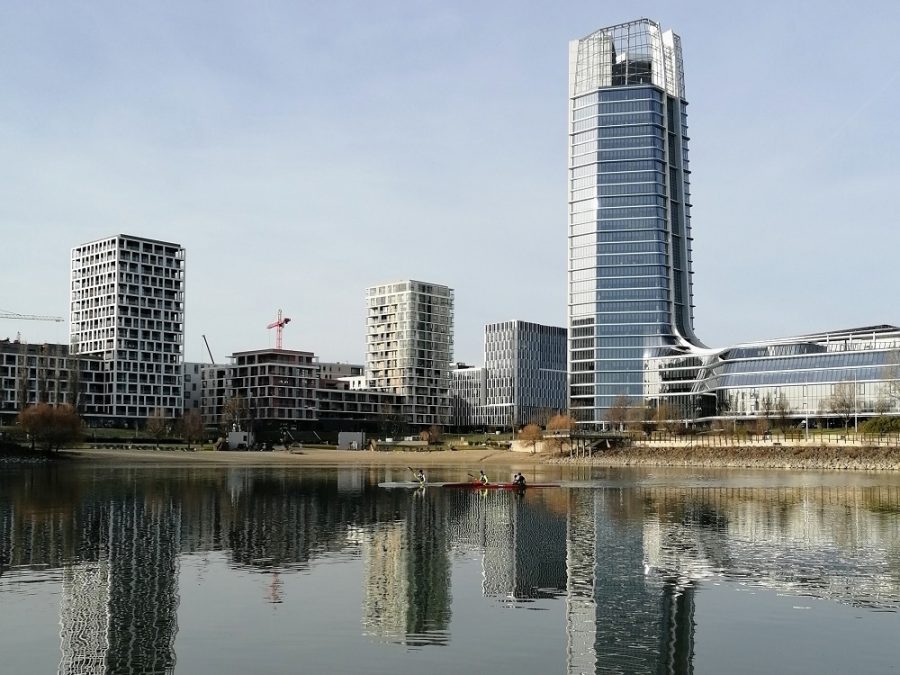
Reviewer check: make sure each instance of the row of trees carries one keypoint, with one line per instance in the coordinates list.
(559, 429)
(52, 427)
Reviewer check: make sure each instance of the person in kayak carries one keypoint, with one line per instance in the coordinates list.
(420, 476)
(519, 480)
(483, 479)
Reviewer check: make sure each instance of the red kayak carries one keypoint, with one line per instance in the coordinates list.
(475, 485)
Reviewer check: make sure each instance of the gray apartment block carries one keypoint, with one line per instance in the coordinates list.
(278, 386)
(193, 386)
(466, 395)
(409, 345)
(46, 373)
(127, 308)
(523, 379)
(526, 372)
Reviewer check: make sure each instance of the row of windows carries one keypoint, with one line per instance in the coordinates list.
(613, 226)
(632, 200)
(627, 131)
(632, 235)
(607, 261)
(798, 377)
(633, 212)
(632, 165)
(633, 306)
(835, 359)
(635, 329)
(618, 247)
(609, 178)
(653, 281)
(629, 94)
(645, 105)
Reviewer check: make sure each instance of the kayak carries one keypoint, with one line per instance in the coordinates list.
(412, 485)
(498, 486)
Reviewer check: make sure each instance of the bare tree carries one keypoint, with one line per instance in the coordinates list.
(51, 427)
(158, 424)
(434, 434)
(191, 426)
(618, 412)
(842, 401)
(782, 410)
(235, 413)
(891, 373)
(531, 433)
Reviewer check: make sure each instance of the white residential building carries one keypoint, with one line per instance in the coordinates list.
(127, 307)
(409, 345)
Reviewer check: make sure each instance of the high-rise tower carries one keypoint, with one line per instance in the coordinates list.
(629, 272)
(127, 306)
(409, 345)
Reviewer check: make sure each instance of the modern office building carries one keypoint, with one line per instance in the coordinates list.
(629, 275)
(127, 308)
(526, 373)
(523, 379)
(409, 346)
(630, 299)
(467, 388)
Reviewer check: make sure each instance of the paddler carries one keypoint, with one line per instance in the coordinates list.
(420, 476)
(482, 478)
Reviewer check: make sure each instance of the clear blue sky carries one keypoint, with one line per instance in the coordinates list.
(302, 151)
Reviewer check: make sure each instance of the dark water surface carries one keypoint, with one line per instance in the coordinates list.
(236, 570)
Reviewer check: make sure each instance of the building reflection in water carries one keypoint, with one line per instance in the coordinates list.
(118, 611)
(627, 561)
(407, 568)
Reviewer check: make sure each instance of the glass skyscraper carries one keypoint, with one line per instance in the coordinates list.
(631, 340)
(630, 294)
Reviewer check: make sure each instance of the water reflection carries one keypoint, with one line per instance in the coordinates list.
(628, 562)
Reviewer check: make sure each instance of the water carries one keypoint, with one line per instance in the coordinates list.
(224, 570)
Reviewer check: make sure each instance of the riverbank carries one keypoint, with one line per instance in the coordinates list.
(765, 457)
(757, 457)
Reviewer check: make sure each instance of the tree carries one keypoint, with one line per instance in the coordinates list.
(842, 401)
(782, 410)
(561, 426)
(158, 424)
(235, 413)
(891, 373)
(434, 434)
(531, 433)
(51, 427)
(618, 413)
(192, 427)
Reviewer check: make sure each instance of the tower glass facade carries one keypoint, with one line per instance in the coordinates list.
(629, 285)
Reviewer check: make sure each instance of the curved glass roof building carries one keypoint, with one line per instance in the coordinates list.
(630, 297)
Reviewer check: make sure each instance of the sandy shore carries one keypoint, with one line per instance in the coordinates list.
(791, 458)
(311, 457)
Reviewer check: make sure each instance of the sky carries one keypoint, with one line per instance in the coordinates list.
(303, 151)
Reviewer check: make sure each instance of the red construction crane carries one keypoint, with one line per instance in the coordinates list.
(279, 325)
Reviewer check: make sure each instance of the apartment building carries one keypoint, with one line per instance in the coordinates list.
(409, 346)
(127, 309)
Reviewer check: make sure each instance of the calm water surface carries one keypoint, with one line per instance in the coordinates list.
(196, 571)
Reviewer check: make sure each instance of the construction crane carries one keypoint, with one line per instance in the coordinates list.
(28, 317)
(279, 325)
(209, 351)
